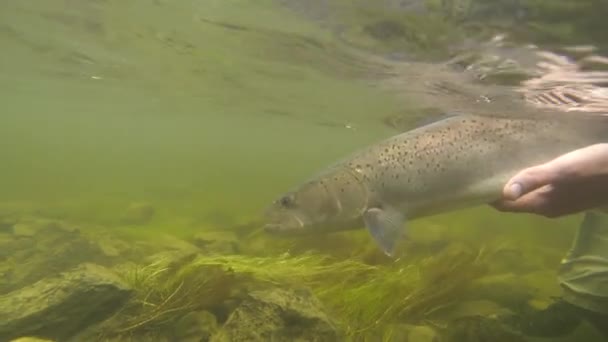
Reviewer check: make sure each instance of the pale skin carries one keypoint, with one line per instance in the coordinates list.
(572, 183)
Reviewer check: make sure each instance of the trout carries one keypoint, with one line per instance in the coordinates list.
(454, 163)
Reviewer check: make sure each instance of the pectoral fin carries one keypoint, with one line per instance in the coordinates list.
(385, 226)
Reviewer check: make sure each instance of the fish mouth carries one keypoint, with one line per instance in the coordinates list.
(283, 229)
(284, 224)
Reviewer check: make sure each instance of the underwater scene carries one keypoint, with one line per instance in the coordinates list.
(146, 144)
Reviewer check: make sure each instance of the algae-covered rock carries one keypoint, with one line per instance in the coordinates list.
(479, 329)
(7, 223)
(138, 213)
(470, 308)
(48, 252)
(278, 315)
(423, 333)
(400, 332)
(170, 243)
(60, 306)
(218, 242)
(23, 229)
(30, 226)
(31, 339)
(113, 247)
(172, 293)
(195, 327)
(509, 290)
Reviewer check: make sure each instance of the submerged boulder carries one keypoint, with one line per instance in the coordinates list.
(217, 242)
(60, 306)
(278, 315)
(138, 213)
(196, 326)
(479, 329)
(38, 250)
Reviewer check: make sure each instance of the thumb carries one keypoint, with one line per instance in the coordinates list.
(529, 180)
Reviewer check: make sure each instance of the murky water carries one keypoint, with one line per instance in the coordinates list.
(140, 124)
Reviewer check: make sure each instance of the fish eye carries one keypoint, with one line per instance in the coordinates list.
(287, 201)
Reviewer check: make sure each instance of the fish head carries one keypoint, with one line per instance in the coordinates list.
(328, 203)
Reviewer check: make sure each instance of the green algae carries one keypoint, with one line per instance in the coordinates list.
(359, 296)
(166, 291)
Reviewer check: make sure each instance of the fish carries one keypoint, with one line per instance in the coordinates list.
(456, 162)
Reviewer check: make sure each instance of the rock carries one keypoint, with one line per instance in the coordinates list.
(7, 223)
(108, 249)
(48, 253)
(61, 306)
(479, 329)
(43, 223)
(138, 214)
(23, 229)
(218, 242)
(508, 290)
(511, 257)
(423, 333)
(170, 243)
(403, 332)
(31, 226)
(30, 339)
(195, 327)
(470, 308)
(11, 244)
(278, 315)
(112, 247)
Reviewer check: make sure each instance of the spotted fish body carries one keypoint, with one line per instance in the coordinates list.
(454, 163)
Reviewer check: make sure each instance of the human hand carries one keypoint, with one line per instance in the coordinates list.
(572, 183)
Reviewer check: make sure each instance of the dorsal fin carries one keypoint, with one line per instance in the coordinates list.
(407, 121)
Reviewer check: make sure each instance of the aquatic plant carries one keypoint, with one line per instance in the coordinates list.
(359, 296)
(166, 290)
(406, 292)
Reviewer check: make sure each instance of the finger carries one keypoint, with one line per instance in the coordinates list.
(529, 180)
(532, 203)
(551, 201)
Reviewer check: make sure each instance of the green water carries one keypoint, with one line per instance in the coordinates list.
(109, 104)
(208, 109)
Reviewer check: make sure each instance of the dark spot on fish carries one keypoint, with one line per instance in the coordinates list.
(224, 24)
